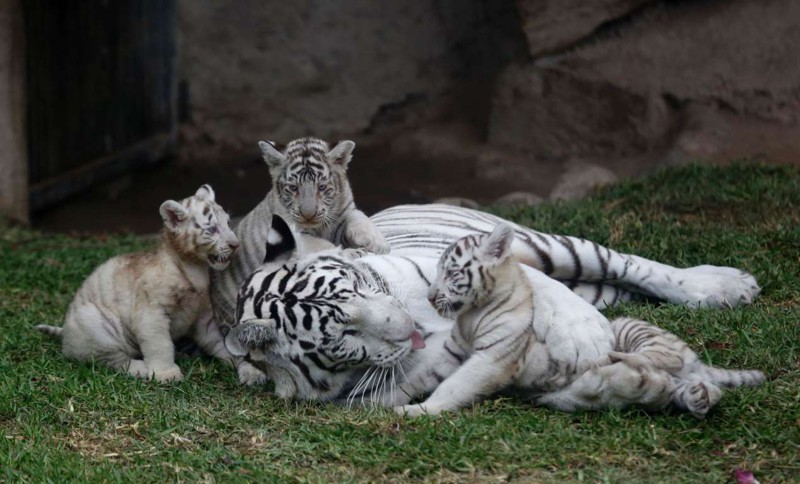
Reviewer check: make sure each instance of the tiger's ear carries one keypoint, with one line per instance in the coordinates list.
(205, 193)
(173, 213)
(272, 156)
(342, 153)
(498, 244)
(281, 245)
(253, 334)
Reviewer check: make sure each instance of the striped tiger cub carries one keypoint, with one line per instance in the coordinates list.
(310, 190)
(129, 311)
(502, 340)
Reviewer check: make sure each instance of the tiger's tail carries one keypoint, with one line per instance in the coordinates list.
(53, 331)
(734, 378)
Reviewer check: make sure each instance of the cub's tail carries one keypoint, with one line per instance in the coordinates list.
(735, 378)
(53, 331)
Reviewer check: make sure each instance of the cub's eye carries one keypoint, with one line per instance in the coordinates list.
(212, 230)
(291, 188)
(322, 187)
(352, 332)
(452, 272)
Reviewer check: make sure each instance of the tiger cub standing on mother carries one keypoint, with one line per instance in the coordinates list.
(500, 341)
(310, 190)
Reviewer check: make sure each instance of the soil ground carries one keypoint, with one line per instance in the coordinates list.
(130, 203)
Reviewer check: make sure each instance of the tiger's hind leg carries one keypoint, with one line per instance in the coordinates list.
(696, 396)
(613, 386)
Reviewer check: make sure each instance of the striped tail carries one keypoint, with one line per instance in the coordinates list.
(734, 378)
(53, 331)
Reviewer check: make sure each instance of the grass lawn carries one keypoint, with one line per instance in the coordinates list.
(62, 421)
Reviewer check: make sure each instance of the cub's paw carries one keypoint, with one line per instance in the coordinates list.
(353, 254)
(250, 375)
(700, 397)
(714, 287)
(169, 374)
(367, 236)
(138, 369)
(417, 410)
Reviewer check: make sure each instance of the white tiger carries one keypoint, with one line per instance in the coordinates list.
(502, 341)
(326, 327)
(129, 311)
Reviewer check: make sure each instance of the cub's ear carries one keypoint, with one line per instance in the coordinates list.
(498, 244)
(173, 213)
(205, 193)
(342, 153)
(253, 334)
(281, 245)
(272, 156)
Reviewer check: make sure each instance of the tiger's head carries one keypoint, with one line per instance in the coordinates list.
(314, 319)
(469, 269)
(197, 228)
(310, 180)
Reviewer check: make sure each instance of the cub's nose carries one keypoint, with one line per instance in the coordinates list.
(432, 299)
(233, 245)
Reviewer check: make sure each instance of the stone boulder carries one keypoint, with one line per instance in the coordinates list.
(552, 25)
(581, 179)
(675, 82)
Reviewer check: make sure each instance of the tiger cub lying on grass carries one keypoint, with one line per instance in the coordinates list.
(502, 341)
(129, 310)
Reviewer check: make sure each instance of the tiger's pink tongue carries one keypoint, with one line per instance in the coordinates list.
(417, 343)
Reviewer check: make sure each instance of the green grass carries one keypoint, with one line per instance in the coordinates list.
(62, 421)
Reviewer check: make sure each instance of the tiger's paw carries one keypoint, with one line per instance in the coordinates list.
(250, 375)
(169, 374)
(366, 235)
(414, 411)
(701, 397)
(714, 287)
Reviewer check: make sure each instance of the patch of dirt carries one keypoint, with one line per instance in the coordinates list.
(379, 179)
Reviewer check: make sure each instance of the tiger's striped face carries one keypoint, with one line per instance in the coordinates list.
(310, 180)
(466, 273)
(197, 226)
(319, 318)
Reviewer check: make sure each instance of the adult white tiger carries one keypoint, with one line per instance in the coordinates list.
(325, 327)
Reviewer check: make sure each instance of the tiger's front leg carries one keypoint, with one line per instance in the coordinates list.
(360, 231)
(479, 376)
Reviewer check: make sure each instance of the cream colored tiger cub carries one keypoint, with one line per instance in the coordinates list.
(502, 341)
(131, 308)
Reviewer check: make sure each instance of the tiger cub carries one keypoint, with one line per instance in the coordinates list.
(499, 343)
(131, 308)
(310, 191)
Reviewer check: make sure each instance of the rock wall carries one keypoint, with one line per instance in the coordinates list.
(255, 69)
(511, 95)
(675, 79)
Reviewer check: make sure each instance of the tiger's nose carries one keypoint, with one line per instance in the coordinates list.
(233, 245)
(432, 299)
